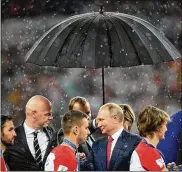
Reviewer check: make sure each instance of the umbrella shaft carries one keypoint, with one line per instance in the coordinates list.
(103, 89)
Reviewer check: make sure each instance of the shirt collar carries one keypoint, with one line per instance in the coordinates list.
(117, 134)
(29, 130)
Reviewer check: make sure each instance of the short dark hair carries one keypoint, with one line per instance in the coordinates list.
(81, 100)
(70, 118)
(5, 118)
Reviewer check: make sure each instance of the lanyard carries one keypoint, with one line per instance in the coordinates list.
(70, 144)
(74, 147)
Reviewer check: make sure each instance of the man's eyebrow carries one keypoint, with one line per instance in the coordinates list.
(12, 128)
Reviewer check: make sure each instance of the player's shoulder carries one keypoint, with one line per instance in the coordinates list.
(144, 149)
(61, 149)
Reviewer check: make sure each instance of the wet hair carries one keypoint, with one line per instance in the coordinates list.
(5, 118)
(114, 109)
(71, 118)
(81, 100)
(129, 114)
(150, 120)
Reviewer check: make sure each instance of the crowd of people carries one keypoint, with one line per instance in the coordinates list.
(47, 132)
(81, 144)
(159, 85)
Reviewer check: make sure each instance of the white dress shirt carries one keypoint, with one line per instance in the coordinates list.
(42, 140)
(115, 136)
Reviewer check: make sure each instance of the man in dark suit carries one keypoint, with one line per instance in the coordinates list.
(35, 139)
(111, 153)
(81, 104)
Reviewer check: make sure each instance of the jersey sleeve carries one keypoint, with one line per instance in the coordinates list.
(152, 161)
(49, 165)
(135, 164)
(3, 166)
(55, 162)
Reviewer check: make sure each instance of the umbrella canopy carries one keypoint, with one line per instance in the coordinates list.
(102, 39)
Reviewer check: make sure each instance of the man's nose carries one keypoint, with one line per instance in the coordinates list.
(14, 134)
(50, 117)
(99, 124)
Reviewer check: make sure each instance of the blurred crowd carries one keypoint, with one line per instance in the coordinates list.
(158, 85)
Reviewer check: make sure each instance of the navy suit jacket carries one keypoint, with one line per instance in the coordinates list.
(120, 159)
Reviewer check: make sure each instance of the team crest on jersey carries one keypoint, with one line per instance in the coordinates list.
(62, 168)
(160, 162)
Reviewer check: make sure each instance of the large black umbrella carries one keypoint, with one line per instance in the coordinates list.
(102, 39)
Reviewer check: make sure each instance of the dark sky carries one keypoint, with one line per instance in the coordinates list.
(21, 8)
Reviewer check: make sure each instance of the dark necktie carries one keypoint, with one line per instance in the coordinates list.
(38, 156)
(109, 145)
(90, 141)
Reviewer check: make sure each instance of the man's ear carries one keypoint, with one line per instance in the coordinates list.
(33, 113)
(115, 117)
(75, 130)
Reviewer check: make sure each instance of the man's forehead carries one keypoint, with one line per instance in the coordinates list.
(103, 112)
(9, 123)
(85, 121)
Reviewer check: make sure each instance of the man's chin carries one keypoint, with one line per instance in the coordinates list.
(8, 143)
(46, 125)
(104, 133)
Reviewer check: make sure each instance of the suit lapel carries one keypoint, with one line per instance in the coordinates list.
(119, 148)
(23, 139)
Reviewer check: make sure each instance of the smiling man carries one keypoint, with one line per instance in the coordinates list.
(111, 153)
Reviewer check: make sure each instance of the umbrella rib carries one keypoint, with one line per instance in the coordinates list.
(109, 43)
(117, 33)
(128, 37)
(56, 60)
(85, 38)
(138, 35)
(44, 35)
(153, 29)
(96, 40)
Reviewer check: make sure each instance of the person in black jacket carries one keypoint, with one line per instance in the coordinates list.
(81, 104)
(35, 138)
